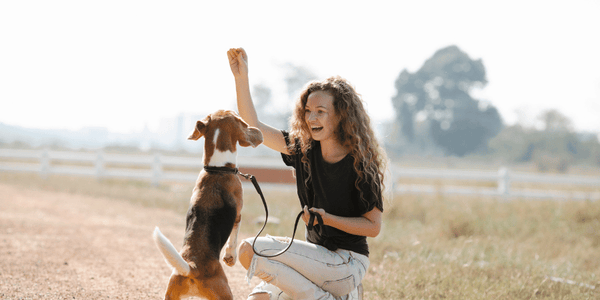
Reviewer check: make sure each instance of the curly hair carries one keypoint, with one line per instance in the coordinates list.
(354, 132)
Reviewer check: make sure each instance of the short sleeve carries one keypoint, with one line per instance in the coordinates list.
(372, 198)
(289, 160)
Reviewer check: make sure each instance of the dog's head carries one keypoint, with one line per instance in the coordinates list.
(222, 131)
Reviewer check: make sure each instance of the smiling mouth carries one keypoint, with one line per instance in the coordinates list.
(316, 129)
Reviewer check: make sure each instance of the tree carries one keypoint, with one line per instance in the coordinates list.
(554, 147)
(553, 120)
(437, 97)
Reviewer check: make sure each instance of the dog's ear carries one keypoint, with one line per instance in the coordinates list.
(251, 136)
(198, 132)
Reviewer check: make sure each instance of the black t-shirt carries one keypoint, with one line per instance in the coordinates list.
(332, 188)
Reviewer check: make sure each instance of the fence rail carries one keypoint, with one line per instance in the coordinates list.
(156, 167)
(504, 179)
(161, 168)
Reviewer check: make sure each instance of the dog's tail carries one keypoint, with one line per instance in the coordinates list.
(172, 257)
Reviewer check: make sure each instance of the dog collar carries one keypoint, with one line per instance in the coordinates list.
(211, 169)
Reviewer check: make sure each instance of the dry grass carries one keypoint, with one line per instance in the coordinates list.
(431, 246)
(477, 248)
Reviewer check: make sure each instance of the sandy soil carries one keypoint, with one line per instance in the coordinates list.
(64, 246)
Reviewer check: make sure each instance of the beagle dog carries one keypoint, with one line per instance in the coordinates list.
(213, 217)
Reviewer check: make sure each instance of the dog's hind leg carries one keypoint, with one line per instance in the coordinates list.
(178, 288)
(230, 256)
(216, 287)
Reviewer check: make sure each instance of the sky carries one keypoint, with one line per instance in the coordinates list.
(125, 65)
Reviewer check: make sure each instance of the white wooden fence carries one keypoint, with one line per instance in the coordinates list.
(577, 187)
(159, 168)
(109, 165)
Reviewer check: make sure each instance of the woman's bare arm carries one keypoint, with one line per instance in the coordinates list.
(368, 224)
(238, 61)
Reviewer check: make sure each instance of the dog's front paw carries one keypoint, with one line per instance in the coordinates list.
(229, 259)
(230, 255)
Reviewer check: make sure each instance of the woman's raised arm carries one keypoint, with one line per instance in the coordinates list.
(238, 61)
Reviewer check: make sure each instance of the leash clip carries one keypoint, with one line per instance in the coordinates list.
(247, 176)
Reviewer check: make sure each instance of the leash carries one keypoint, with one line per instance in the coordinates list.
(262, 197)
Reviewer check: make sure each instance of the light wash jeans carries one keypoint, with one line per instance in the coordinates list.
(306, 270)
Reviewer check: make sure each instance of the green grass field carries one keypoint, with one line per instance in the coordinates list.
(431, 246)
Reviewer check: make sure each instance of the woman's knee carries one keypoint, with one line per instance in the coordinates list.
(245, 254)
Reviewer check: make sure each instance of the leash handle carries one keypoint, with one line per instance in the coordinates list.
(311, 221)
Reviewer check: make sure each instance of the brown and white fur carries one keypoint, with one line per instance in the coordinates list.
(213, 216)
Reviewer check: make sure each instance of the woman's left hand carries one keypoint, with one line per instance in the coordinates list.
(306, 215)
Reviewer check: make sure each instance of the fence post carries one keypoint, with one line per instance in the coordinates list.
(45, 163)
(390, 185)
(99, 164)
(156, 170)
(504, 182)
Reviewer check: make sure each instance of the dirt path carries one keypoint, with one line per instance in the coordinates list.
(64, 246)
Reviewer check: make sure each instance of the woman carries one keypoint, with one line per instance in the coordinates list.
(339, 173)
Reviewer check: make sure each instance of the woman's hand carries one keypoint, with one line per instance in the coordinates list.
(238, 61)
(368, 224)
(306, 215)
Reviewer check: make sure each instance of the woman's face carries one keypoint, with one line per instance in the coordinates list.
(320, 116)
